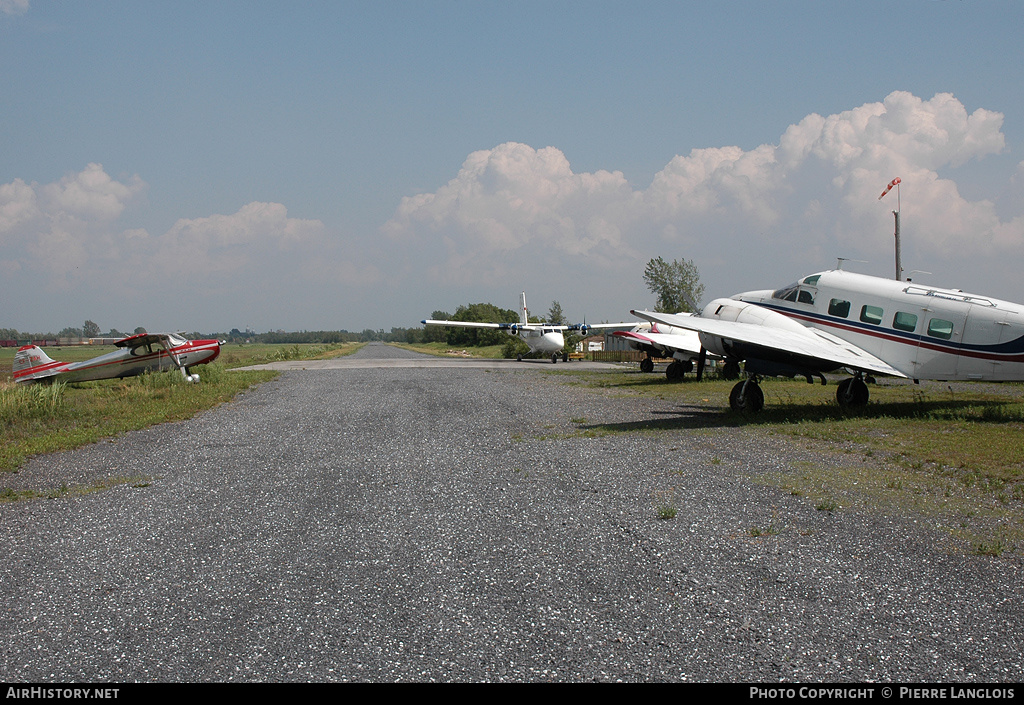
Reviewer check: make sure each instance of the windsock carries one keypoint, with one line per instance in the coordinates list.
(889, 187)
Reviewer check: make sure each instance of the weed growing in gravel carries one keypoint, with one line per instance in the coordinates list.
(772, 529)
(666, 512)
(8, 495)
(993, 548)
(827, 505)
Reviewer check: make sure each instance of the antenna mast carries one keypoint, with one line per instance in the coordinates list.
(896, 215)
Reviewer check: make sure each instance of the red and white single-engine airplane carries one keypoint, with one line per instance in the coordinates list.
(868, 325)
(136, 354)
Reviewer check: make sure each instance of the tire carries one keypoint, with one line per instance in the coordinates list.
(746, 397)
(647, 365)
(852, 393)
(674, 373)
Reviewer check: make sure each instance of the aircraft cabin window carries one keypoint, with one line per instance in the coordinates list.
(904, 321)
(838, 307)
(871, 314)
(938, 328)
(812, 280)
(805, 297)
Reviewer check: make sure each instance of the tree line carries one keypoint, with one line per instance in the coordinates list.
(675, 284)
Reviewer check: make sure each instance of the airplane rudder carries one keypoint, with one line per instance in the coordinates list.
(29, 356)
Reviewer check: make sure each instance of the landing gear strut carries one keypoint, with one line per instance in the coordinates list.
(746, 396)
(852, 393)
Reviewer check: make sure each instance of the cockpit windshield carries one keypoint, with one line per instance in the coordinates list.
(794, 292)
(787, 293)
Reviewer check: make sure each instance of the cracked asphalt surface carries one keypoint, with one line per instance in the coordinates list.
(446, 524)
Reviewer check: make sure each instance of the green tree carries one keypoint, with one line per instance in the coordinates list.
(555, 315)
(676, 284)
(90, 330)
(481, 313)
(436, 334)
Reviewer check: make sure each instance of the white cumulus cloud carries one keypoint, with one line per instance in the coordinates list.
(515, 198)
(812, 193)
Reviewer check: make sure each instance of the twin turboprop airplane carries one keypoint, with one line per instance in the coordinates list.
(544, 338)
(868, 325)
(136, 354)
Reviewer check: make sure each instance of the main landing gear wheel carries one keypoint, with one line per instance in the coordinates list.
(852, 393)
(731, 370)
(674, 373)
(519, 357)
(746, 397)
(554, 358)
(565, 357)
(647, 365)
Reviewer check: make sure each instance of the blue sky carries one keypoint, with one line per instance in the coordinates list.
(204, 166)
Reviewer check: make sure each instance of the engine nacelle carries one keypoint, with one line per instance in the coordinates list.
(742, 312)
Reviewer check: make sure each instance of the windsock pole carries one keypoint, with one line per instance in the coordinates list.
(896, 215)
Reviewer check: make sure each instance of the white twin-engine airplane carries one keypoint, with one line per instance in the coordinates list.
(866, 324)
(544, 338)
(136, 354)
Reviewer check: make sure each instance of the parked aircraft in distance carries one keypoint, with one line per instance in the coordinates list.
(543, 338)
(662, 340)
(868, 325)
(136, 354)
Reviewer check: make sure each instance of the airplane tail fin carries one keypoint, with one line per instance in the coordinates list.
(524, 318)
(29, 360)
